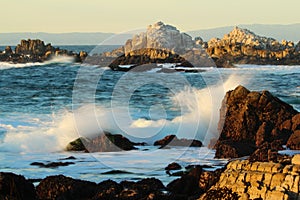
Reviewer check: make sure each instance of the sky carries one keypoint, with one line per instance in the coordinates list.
(117, 16)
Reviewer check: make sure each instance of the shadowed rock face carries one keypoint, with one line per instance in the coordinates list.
(105, 142)
(172, 140)
(249, 119)
(15, 187)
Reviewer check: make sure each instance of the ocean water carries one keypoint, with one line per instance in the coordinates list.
(45, 106)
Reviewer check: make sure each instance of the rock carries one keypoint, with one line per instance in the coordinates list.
(36, 51)
(172, 140)
(105, 142)
(62, 187)
(145, 56)
(52, 164)
(76, 145)
(220, 193)
(267, 152)
(15, 187)
(108, 190)
(173, 166)
(8, 51)
(258, 180)
(296, 159)
(249, 119)
(142, 189)
(294, 141)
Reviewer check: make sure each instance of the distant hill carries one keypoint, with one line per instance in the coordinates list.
(63, 38)
(288, 32)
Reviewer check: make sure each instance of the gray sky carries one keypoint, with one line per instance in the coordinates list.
(124, 15)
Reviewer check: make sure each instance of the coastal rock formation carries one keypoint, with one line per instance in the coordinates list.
(105, 142)
(249, 119)
(61, 187)
(260, 180)
(172, 140)
(15, 187)
(37, 51)
(157, 44)
(242, 46)
(148, 55)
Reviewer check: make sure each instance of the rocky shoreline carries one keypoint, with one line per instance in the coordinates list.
(253, 127)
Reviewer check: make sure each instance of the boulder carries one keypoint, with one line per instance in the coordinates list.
(105, 142)
(108, 190)
(294, 141)
(173, 166)
(62, 187)
(296, 159)
(249, 119)
(15, 187)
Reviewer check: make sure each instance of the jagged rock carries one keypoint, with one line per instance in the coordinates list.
(62, 187)
(108, 190)
(172, 140)
(105, 142)
(36, 51)
(15, 187)
(242, 46)
(248, 119)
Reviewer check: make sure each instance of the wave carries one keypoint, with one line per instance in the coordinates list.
(198, 119)
(54, 60)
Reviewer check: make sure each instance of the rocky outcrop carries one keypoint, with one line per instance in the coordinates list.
(242, 46)
(105, 142)
(172, 140)
(61, 187)
(260, 180)
(15, 187)
(249, 119)
(159, 43)
(146, 56)
(37, 51)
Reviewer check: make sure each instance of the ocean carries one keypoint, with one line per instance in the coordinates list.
(44, 106)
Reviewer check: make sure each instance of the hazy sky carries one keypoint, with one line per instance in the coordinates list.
(124, 15)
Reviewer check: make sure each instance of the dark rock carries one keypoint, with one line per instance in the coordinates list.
(61, 187)
(116, 172)
(220, 194)
(142, 189)
(294, 141)
(36, 51)
(76, 145)
(146, 56)
(52, 164)
(15, 187)
(267, 152)
(68, 158)
(173, 166)
(248, 119)
(186, 185)
(172, 140)
(105, 142)
(108, 190)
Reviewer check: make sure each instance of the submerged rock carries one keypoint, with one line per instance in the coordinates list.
(249, 119)
(172, 140)
(105, 142)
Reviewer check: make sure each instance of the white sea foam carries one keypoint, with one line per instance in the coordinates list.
(199, 119)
